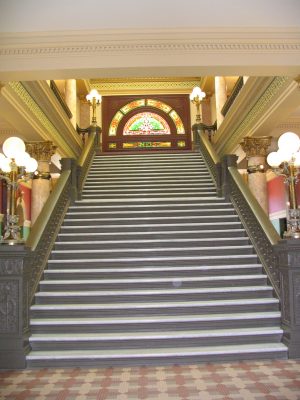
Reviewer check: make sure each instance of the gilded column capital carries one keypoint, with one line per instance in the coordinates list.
(256, 146)
(41, 151)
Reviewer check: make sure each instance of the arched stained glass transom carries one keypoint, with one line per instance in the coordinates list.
(146, 123)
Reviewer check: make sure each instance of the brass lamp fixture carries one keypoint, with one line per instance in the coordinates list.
(286, 162)
(196, 97)
(16, 166)
(94, 99)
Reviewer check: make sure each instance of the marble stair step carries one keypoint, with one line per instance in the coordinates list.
(144, 295)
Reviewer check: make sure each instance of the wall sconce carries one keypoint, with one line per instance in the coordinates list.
(94, 99)
(15, 166)
(286, 162)
(196, 97)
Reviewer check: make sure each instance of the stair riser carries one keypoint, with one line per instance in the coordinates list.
(105, 363)
(137, 195)
(84, 221)
(154, 343)
(141, 326)
(151, 213)
(147, 274)
(152, 311)
(170, 202)
(151, 235)
(161, 262)
(107, 299)
(112, 246)
(156, 253)
(150, 285)
(122, 230)
(212, 204)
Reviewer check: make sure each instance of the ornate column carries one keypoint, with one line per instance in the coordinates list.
(256, 151)
(41, 184)
(71, 99)
(221, 97)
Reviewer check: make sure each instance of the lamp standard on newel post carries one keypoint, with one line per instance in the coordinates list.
(94, 100)
(286, 162)
(16, 166)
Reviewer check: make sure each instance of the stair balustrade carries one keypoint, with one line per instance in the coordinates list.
(21, 266)
(280, 258)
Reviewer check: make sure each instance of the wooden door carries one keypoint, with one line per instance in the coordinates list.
(151, 123)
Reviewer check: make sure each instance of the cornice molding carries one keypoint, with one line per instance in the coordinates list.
(210, 46)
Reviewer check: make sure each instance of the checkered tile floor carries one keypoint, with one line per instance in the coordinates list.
(271, 380)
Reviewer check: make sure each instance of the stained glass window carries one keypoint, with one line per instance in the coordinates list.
(143, 145)
(160, 127)
(146, 123)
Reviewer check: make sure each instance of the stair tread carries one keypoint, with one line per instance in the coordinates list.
(155, 291)
(151, 353)
(135, 241)
(161, 279)
(154, 269)
(139, 305)
(152, 249)
(155, 319)
(142, 259)
(154, 335)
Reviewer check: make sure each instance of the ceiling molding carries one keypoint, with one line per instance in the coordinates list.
(202, 51)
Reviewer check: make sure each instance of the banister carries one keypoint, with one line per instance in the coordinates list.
(43, 219)
(87, 149)
(255, 207)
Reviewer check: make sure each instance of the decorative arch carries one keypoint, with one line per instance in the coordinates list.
(146, 123)
(146, 103)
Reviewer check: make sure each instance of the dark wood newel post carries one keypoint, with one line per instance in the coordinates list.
(227, 161)
(288, 252)
(14, 306)
(71, 164)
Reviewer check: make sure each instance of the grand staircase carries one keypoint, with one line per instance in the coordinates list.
(150, 267)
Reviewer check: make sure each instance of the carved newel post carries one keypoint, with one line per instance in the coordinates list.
(288, 251)
(14, 306)
(41, 184)
(256, 152)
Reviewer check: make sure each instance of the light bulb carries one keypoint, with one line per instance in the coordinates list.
(297, 159)
(93, 94)
(5, 164)
(289, 141)
(273, 159)
(21, 159)
(31, 165)
(13, 146)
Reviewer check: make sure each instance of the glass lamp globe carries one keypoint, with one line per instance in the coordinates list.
(94, 94)
(297, 159)
(289, 141)
(31, 165)
(13, 146)
(21, 159)
(274, 159)
(197, 92)
(285, 155)
(5, 164)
